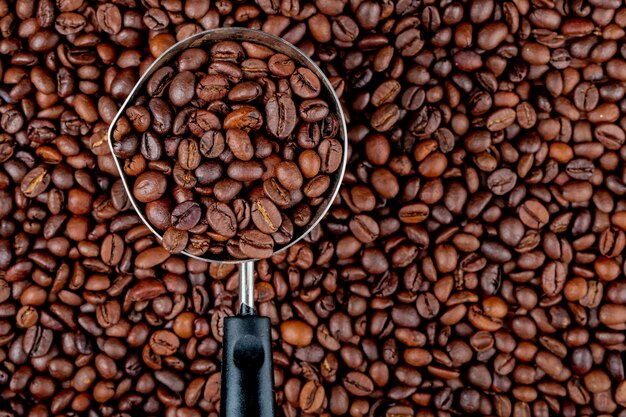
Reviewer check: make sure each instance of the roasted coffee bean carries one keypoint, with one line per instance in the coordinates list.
(186, 215)
(151, 148)
(175, 240)
(385, 117)
(159, 81)
(181, 88)
(255, 244)
(312, 397)
(313, 110)
(112, 249)
(310, 163)
(212, 144)
(289, 175)
(281, 65)
(150, 186)
(222, 219)
(276, 192)
(35, 182)
(239, 143)
(37, 341)
(471, 262)
(246, 118)
(266, 215)
(317, 186)
(189, 154)
(280, 115)
(245, 91)
(580, 169)
(211, 87)
(245, 170)
(502, 181)
(164, 342)
(358, 384)
(305, 83)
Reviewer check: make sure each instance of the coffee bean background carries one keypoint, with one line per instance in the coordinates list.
(472, 265)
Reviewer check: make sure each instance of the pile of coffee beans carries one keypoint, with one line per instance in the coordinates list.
(472, 263)
(229, 150)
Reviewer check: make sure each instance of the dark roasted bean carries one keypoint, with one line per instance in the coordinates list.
(471, 263)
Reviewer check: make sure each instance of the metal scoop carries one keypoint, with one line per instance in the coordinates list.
(247, 371)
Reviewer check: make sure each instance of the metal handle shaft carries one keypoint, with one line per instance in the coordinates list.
(246, 288)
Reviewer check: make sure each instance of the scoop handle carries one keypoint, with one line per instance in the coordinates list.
(247, 371)
(247, 364)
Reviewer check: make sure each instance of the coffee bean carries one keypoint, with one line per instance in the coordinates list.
(413, 213)
(289, 175)
(330, 152)
(37, 341)
(245, 170)
(317, 186)
(280, 114)
(212, 144)
(212, 87)
(385, 117)
(192, 59)
(281, 65)
(358, 384)
(189, 154)
(151, 148)
(227, 51)
(109, 18)
(533, 214)
(181, 88)
(296, 333)
(239, 143)
(164, 343)
(525, 115)
(255, 244)
(305, 83)
(175, 240)
(276, 192)
(313, 110)
(162, 117)
(464, 245)
(266, 215)
(310, 163)
(501, 119)
(364, 228)
(245, 91)
(586, 96)
(222, 219)
(409, 42)
(185, 215)
(149, 186)
(312, 397)
(112, 249)
(502, 181)
(246, 118)
(580, 169)
(611, 136)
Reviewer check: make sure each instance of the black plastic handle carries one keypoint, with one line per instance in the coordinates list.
(247, 369)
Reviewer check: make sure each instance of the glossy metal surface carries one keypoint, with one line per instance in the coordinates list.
(246, 283)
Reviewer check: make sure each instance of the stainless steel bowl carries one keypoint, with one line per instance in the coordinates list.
(205, 40)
